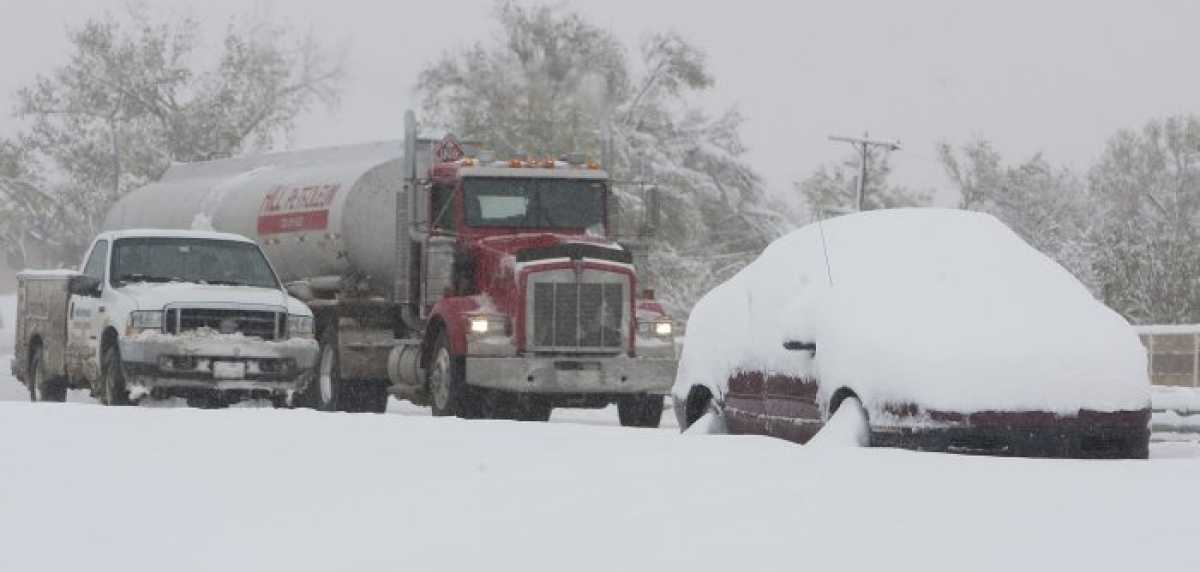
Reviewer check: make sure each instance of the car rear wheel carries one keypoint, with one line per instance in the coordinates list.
(640, 410)
(41, 388)
(847, 426)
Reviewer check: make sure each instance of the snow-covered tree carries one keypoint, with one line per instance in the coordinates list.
(554, 83)
(134, 97)
(1044, 204)
(1145, 192)
(834, 187)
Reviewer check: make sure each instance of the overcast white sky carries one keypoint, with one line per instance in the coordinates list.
(1056, 77)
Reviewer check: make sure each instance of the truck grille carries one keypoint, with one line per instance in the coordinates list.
(577, 315)
(260, 324)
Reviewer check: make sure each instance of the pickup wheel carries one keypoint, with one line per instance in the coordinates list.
(640, 410)
(325, 390)
(41, 388)
(112, 379)
(448, 389)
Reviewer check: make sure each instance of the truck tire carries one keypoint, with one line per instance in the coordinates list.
(112, 379)
(640, 410)
(40, 388)
(449, 393)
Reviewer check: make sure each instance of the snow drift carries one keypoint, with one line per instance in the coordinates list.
(947, 309)
(135, 489)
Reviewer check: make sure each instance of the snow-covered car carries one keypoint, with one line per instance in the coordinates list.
(942, 327)
(171, 313)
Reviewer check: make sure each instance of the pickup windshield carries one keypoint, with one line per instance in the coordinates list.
(203, 261)
(534, 203)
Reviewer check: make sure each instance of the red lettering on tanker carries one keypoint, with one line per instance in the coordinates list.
(296, 208)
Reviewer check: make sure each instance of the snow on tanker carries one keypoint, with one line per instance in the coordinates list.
(484, 289)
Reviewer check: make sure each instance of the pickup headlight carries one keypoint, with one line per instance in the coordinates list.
(143, 320)
(657, 328)
(483, 325)
(299, 326)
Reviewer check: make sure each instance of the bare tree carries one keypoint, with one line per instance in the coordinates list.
(131, 100)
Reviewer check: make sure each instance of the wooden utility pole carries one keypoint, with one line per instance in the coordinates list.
(861, 144)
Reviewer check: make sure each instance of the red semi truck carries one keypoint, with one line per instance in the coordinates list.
(481, 288)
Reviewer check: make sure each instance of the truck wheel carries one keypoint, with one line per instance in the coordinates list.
(640, 410)
(40, 388)
(112, 379)
(448, 389)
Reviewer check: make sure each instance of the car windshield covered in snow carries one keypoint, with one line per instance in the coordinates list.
(203, 261)
(534, 203)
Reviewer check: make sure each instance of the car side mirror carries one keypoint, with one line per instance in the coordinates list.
(798, 346)
(84, 285)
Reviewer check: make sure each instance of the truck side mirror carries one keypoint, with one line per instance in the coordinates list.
(84, 285)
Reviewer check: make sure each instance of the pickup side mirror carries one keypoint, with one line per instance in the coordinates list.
(300, 290)
(84, 285)
(798, 346)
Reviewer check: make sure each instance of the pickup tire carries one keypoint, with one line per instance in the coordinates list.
(112, 379)
(640, 410)
(41, 388)
(449, 393)
(325, 391)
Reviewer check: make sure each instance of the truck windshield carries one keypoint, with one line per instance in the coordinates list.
(534, 203)
(203, 261)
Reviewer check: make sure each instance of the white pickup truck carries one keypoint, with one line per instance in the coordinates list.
(164, 313)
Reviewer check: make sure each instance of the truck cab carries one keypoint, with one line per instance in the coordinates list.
(538, 307)
(166, 313)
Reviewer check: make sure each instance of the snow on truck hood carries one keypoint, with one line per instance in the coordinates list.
(946, 309)
(154, 296)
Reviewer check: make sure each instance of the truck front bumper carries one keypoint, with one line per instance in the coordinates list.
(576, 375)
(218, 363)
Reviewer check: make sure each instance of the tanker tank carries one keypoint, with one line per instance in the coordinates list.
(316, 213)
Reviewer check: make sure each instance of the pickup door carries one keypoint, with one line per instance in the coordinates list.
(85, 318)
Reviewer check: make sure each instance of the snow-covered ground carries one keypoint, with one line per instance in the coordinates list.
(89, 487)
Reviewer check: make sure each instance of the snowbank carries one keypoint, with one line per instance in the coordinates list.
(189, 490)
(944, 308)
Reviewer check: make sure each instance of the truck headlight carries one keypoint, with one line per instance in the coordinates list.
(299, 326)
(657, 328)
(143, 320)
(487, 325)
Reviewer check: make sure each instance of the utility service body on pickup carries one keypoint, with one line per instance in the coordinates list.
(483, 288)
(199, 315)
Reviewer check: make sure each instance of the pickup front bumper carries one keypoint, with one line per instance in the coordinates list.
(218, 362)
(618, 375)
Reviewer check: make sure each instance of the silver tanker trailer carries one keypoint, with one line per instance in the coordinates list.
(484, 289)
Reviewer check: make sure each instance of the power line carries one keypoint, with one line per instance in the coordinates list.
(862, 145)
